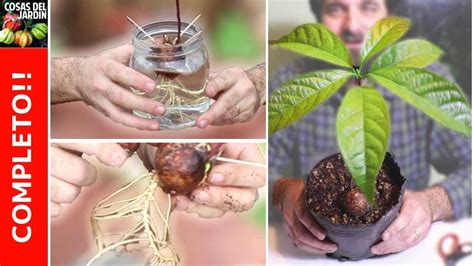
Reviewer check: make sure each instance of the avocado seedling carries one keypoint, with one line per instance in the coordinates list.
(363, 121)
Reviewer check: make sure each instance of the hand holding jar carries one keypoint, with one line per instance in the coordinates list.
(164, 86)
(181, 72)
(103, 81)
(238, 94)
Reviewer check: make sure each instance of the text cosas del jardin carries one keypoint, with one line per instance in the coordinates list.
(28, 10)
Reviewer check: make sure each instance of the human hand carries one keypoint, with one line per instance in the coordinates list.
(105, 82)
(237, 100)
(70, 172)
(410, 227)
(301, 227)
(230, 187)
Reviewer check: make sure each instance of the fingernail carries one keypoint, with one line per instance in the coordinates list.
(386, 236)
(149, 86)
(118, 158)
(374, 250)
(202, 123)
(210, 91)
(321, 236)
(201, 197)
(154, 126)
(159, 110)
(216, 178)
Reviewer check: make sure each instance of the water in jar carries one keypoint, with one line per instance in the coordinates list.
(180, 78)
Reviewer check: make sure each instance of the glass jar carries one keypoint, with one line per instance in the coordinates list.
(180, 71)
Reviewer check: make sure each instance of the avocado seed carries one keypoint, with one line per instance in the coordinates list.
(356, 203)
(180, 167)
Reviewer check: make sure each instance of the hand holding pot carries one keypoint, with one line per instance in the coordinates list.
(104, 81)
(237, 96)
(305, 232)
(419, 209)
(230, 187)
(70, 172)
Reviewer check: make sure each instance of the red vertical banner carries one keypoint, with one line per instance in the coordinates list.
(24, 156)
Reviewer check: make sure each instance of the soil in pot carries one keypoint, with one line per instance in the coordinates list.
(334, 200)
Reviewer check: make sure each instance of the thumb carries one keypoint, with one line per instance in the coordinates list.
(220, 82)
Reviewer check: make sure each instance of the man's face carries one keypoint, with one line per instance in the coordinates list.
(352, 19)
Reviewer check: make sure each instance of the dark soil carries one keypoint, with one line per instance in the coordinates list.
(330, 181)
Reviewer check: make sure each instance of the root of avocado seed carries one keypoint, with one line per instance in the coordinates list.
(144, 231)
(170, 98)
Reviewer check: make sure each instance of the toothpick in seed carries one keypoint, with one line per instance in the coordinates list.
(140, 28)
(185, 29)
(239, 162)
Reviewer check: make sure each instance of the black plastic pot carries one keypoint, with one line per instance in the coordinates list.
(354, 241)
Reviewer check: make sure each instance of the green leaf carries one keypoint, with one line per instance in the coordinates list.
(301, 95)
(415, 53)
(434, 95)
(317, 41)
(363, 130)
(385, 32)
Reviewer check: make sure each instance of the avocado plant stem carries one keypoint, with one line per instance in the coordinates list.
(178, 16)
(356, 71)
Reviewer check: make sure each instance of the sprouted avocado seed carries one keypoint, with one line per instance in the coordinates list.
(175, 168)
(356, 203)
